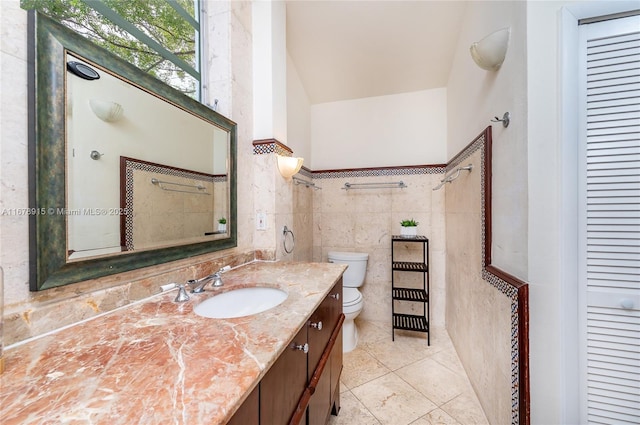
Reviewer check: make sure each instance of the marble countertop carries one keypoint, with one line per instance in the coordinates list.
(156, 361)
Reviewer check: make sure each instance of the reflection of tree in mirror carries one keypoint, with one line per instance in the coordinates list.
(157, 19)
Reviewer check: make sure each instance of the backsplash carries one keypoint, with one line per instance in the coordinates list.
(49, 310)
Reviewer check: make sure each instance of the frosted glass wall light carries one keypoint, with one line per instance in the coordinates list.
(489, 52)
(106, 110)
(288, 165)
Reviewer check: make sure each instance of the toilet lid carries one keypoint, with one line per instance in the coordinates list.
(351, 296)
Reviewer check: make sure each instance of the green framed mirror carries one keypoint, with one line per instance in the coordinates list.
(125, 172)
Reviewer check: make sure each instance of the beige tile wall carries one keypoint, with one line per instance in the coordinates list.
(364, 220)
(478, 315)
(161, 217)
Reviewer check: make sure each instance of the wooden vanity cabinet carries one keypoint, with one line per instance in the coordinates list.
(302, 388)
(249, 412)
(328, 313)
(283, 385)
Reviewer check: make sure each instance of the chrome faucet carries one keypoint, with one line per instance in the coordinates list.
(197, 285)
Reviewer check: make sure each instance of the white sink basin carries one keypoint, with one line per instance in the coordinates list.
(240, 302)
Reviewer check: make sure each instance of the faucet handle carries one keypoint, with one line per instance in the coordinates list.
(217, 280)
(182, 294)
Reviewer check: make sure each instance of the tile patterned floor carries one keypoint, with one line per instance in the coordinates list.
(405, 382)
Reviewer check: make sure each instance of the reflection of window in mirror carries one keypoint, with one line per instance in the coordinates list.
(160, 37)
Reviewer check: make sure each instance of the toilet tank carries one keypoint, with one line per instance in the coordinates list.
(357, 261)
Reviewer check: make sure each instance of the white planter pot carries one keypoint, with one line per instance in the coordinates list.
(409, 231)
(222, 227)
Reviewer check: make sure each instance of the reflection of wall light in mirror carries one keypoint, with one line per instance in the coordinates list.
(288, 165)
(489, 53)
(106, 110)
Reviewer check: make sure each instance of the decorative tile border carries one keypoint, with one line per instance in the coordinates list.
(267, 146)
(128, 166)
(380, 171)
(511, 287)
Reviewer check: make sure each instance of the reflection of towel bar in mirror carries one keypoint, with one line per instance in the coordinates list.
(159, 183)
(390, 185)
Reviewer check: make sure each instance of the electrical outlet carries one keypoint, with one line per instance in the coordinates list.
(261, 221)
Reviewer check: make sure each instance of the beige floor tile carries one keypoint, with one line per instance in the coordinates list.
(360, 367)
(392, 401)
(440, 337)
(436, 382)
(423, 377)
(352, 412)
(369, 331)
(449, 358)
(401, 352)
(466, 409)
(436, 417)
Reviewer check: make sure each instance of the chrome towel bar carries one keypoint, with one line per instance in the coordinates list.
(389, 185)
(453, 175)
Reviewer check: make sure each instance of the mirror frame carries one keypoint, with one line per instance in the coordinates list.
(49, 43)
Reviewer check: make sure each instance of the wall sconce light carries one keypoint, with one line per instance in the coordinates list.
(489, 52)
(288, 165)
(106, 110)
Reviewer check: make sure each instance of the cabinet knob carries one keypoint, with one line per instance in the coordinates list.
(317, 325)
(301, 347)
(335, 296)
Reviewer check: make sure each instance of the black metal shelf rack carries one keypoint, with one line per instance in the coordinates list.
(410, 322)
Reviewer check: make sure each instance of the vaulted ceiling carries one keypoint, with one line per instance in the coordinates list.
(355, 49)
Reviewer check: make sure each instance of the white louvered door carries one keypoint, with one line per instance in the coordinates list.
(610, 221)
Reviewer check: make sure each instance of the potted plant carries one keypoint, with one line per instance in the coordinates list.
(222, 224)
(409, 228)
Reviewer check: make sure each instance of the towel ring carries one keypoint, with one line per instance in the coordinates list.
(286, 231)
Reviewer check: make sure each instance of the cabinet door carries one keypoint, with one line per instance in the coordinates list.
(282, 386)
(248, 413)
(318, 338)
(335, 305)
(321, 402)
(320, 328)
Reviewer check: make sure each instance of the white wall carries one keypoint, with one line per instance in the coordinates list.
(402, 129)
(475, 96)
(269, 70)
(298, 115)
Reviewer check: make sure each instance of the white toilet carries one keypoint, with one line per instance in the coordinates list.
(352, 301)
